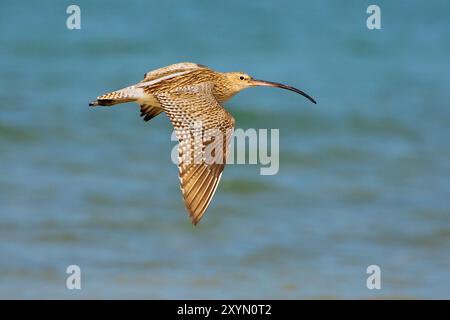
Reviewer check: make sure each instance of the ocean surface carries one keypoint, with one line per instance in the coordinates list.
(364, 176)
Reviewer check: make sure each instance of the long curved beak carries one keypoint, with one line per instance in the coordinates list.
(280, 85)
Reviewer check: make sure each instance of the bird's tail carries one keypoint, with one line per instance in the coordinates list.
(129, 94)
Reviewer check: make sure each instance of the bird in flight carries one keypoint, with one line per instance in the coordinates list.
(191, 95)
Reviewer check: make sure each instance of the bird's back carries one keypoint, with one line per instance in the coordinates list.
(173, 68)
(185, 76)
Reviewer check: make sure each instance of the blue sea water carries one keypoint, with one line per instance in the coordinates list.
(364, 175)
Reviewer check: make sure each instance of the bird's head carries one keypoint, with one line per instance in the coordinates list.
(239, 81)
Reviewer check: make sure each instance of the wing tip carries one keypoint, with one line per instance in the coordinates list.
(195, 216)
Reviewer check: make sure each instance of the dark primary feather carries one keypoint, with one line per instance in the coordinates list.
(149, 112)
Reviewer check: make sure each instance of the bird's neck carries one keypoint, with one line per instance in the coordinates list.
(223, 91)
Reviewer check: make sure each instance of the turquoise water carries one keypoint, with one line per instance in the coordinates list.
(364, 175)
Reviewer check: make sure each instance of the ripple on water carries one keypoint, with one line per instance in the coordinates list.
(246, 186)
(13, 134)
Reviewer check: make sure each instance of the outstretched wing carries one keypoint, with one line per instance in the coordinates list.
(204, 129)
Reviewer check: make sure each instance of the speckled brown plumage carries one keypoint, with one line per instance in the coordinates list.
(191, 96)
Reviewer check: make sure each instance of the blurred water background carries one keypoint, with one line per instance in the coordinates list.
(364, 175)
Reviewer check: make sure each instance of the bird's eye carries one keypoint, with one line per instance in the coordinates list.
(241, 77)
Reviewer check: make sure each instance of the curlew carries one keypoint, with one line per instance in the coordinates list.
(192, 95)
